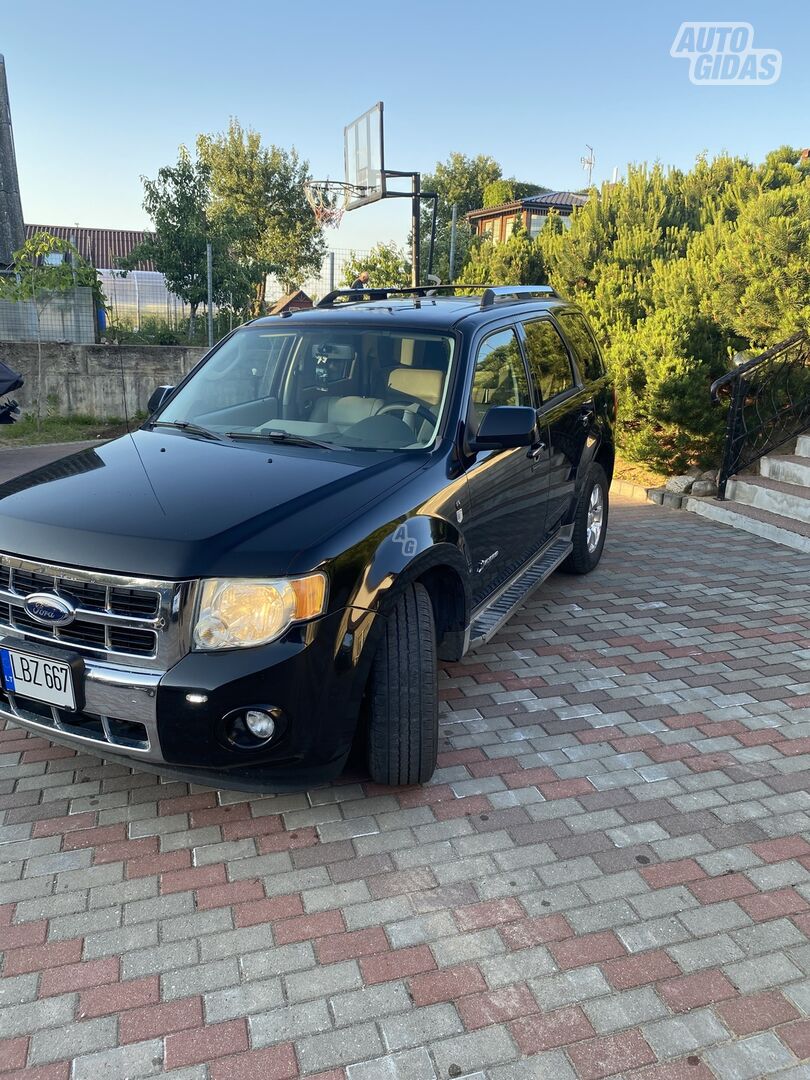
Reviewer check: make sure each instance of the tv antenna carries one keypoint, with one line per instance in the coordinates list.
(588, 161)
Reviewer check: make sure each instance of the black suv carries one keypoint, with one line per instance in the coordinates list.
(266, 572)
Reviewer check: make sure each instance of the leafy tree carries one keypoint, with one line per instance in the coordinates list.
(177, 203)
(460, 180)
(34, 272)
(498, 192)
(505, 191)
(517, 261)
(386, 264)
(257, 199)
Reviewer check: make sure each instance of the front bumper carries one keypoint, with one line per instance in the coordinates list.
(315, 675)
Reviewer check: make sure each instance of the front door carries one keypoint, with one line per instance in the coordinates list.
(507, 488)
(566, 411)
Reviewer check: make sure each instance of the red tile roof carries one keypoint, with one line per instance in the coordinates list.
(102, 247)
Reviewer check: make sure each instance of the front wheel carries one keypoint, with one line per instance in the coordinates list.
(590, 523)
(403, 694)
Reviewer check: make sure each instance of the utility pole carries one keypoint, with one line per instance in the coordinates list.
(453, 220)
(588, 162)
(210, 267)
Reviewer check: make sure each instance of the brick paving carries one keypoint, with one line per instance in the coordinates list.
(608, 877)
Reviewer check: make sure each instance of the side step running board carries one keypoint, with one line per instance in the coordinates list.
(489, 621)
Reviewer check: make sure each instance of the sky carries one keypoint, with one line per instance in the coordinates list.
(120, 87)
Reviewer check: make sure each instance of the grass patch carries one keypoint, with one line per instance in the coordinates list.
(635, 473)
(61, 429)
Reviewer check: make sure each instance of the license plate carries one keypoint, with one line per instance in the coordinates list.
(38, 677)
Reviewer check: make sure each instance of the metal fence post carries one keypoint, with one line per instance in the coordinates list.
(209, 261)
(453, 221)
(331, 271)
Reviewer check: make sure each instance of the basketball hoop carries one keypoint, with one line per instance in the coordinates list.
(329, 200)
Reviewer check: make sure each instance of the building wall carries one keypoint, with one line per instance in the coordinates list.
(90, 380)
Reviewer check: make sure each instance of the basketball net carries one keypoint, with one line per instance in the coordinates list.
(329, 200)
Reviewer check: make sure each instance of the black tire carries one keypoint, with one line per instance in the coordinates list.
(403, 694)
(582, 559)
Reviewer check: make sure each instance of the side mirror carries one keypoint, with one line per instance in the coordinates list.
(506, 426)
(157, 398)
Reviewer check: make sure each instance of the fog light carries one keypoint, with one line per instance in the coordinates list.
(260, 724)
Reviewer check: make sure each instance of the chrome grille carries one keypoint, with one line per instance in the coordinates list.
(117, 618)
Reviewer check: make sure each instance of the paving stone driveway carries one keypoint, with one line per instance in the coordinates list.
(609, 875)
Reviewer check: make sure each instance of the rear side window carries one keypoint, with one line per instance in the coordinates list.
(584, 343)
(500, 375)
(548, 359)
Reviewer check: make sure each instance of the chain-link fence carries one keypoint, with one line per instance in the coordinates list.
(140, 308)
(141, 295)
(69, 315)
(330, 276)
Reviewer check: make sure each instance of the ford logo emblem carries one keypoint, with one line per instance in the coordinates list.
(49, 609)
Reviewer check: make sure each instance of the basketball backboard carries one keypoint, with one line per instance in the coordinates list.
(364, 157)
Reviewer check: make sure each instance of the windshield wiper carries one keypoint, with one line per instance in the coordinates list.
(192, 429)
(281, 437)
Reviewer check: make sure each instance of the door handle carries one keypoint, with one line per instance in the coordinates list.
(536, 450)
(586, 417)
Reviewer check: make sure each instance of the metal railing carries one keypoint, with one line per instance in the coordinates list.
(769, 404)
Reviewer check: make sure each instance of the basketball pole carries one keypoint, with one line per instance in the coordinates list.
(416, 214)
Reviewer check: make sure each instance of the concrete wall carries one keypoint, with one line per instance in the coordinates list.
(86, 379)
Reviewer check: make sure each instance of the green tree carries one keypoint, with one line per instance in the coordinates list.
(517, 261)
(679, 270)
(177, 204)
(257, 200)
(506, 191)
(35, 271)
(386, 264)
(760, 281)
(459, 180)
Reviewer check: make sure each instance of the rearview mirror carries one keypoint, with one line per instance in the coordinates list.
(506, 426)
(157, 398)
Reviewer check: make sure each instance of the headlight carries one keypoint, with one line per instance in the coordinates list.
(235, 613)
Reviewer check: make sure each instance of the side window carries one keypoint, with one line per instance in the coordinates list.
(584, 343)
(500, 375)
(548, 359)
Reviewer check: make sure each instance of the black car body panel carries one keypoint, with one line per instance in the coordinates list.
(168, 505)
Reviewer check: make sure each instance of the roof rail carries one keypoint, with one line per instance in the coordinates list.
(491, 293)
(383, 292)
(494, 293)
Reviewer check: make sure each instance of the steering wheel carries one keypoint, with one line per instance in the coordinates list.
(410, 409)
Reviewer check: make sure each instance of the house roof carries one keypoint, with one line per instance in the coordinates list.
(104, 248)
(292, 301)
(556, 200)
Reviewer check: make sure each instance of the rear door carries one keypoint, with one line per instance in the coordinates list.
(507, 488)
(566, 412)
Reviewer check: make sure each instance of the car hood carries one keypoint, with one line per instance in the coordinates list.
(169, 505)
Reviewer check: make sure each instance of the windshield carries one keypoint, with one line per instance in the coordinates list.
(368, 389)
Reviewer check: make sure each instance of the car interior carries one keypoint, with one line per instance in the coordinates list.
(354, 389)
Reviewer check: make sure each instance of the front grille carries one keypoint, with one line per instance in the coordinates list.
(116, 617)
(84, 594)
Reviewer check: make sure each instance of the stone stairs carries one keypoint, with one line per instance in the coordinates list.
(775, 504)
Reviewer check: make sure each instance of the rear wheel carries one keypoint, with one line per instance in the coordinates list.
(590, 523)
(403, 716)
